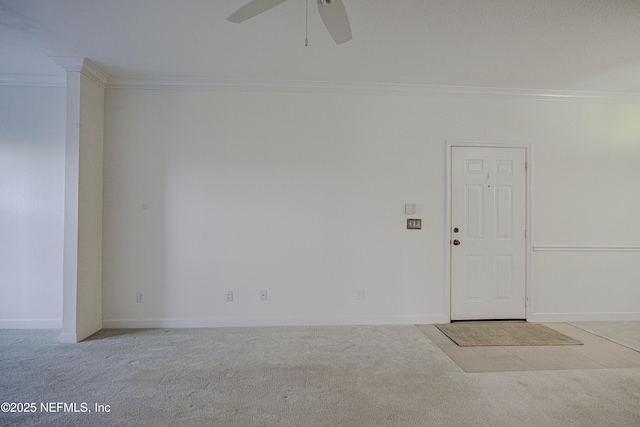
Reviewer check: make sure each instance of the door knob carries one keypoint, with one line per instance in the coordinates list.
(456, 242)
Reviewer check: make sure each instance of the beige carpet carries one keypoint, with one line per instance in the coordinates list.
(325, 376)
(503, 333)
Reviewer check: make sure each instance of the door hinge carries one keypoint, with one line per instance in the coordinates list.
(526, 166)
(526, 301)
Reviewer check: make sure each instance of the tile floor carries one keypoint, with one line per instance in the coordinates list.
(596, 353)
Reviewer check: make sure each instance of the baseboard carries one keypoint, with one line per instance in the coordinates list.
(30, 323)
(583, 317)
(252, 322)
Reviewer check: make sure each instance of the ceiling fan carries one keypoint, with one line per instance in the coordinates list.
(332, 12)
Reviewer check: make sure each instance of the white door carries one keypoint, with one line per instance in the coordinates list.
(488, 226)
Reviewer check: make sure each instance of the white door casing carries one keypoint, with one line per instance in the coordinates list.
(488, 226)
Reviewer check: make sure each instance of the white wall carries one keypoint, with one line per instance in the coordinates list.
(32, 138)
(302, 194)
(587, 202)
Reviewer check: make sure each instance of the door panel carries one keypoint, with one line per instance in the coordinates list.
(473, 277)
(488, 208)
(504, 212)
(503, 276)
(474, 211)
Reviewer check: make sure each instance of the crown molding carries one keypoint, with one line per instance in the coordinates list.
(84, 66)
(32, 80)
(367, 88)
(68, 63)
(92, 71)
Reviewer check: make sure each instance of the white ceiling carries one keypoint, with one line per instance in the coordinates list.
(584, 45)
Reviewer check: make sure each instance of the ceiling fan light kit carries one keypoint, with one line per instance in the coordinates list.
(332, 12)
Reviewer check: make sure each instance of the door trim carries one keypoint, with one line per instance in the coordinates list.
(528, 210)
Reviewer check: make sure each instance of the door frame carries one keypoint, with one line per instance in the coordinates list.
(528, 210)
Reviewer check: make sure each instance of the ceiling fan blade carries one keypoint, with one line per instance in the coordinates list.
(253, 8)
(335, 18)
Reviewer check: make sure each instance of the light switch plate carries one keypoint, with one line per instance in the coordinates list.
(414, 224)
(410, 209)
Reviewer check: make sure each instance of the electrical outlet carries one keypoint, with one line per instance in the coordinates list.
(360, 295)
(414, 224)
(263, 295)
(228, 296)
(139, 297)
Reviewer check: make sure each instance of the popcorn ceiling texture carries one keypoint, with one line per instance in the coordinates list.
(545, 44)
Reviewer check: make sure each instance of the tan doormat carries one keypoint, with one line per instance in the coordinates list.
(503, 333)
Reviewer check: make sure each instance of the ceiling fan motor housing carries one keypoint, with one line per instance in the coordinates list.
(335, 18)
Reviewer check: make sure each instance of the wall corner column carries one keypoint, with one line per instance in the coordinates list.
(82, 264)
